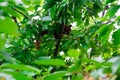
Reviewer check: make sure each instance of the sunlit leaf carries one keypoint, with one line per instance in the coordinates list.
(52, 62)
(111, 12)
(11, 11)
(104, 32)
(56, 75)
(37, 2)
(78, 77)
(53, 11)
(20, 67)
(76, 67)
(8, 26)
(109, 1)
(73, 53)
(21, 9)
(27, 2)
(2, 42)
(107, 70)
(116, 37)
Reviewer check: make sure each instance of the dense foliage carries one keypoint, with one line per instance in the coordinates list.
(59, 40)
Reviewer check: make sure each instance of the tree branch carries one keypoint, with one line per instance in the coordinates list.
(58, 41)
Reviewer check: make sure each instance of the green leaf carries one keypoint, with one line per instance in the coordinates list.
(30, 8)
(52, 62)
(78, 77)
(76, 67)
(107, 70)
(1, 0)
(28, 73)
(109, 1)
(2, 42)
(10, 75)
(56, 75)
(27, 2)
(116, 37)
(99, 3)
(10, 11)
(104, 32)
(118, 22)
(20, 67)
(53, 11)
(111, 12)
(8, 26)
(37, 2)
(73, 53)
(21, 9)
